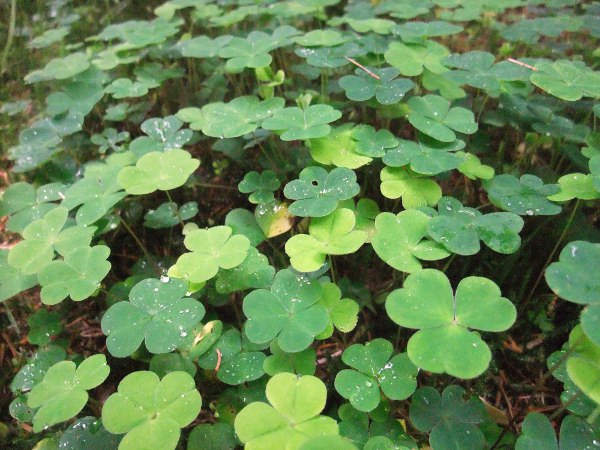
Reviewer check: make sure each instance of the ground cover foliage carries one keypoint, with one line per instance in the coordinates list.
(301, 225)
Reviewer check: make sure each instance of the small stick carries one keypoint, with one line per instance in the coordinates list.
(356, 63)
(219, 356)
(520, 63)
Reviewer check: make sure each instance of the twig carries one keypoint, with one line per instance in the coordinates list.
(522, 64)
(356, 63)
(219, 356)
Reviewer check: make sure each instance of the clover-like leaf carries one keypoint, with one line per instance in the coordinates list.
(43, 237)
(260, 186)
(444, 342)
(330, 235)
(211, 249)
(433, 116)
(99, 190)
(43, 326)
(253, 51)
(460, 228)
(330, 57)
(243, 222)
(300, 363)
(317, 192)
(216, 436)
(415, 31)
(322, 38)
(387, 89)
(25, 204)
(170, 214)
(141, 33)
(291, 418)
(411, 59)
(296, 123)
(125, 88)
(338, 148)
(288, 312)
(241, 360)
(156, 313)
(415, 189)
(48, 37)
(524, 196)
(374, 368)
(567, 80)
(145, 406)
(254, 272)
(63, 391)
(88, 433)
(372, 143)
(570, 278)
(158, 170)
(240, 116)
(162, 134)
(537, 432)
(583, 366)
(78, 275)
(427, 156)
(575, 185)
(12, 281)
(203, 46)
(33, 372)
(399, 240)
(475, 69)
(60, 68)
(472, 168)
(343, 312)
(452, 422)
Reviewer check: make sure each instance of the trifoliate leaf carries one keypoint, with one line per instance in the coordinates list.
(156, 313)
(414, 189)
(243, 222)
(452, 422)
(444, 342)
(63, 392)
(575, 185)
(300, 363)
(433, 116)
(291, 418)
(387, 89)
(43, 237)
(254, 272)
(12, 281)
(147, 406)
(240, 116)
(571, 279)
(526, 196)
(211, 249)
(162, 134)
(427, 156)
(88, 433)
(43, 326)
(25, 204)
(343, 312)
(60, 68)
(567, 80)
(372, 143)
(330, 235)
(460, 228)
(260, 186)
(288, 312)
(338, 148)
(375, 368)
(78, 275)
(412, 58)
(158, 170)
(330, 57)
(294, 123)
(416, 31)
(169, 214)
(317, 192)
(472, 168)
(399, 240)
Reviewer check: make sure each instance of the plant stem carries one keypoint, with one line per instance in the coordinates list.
(142, 247)
(11, 318)
(551, 255)
(11, 35)
(178, 216)
(216, 186)
(331, 268)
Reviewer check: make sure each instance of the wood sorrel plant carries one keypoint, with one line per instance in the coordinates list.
(299, 221)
